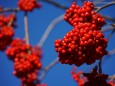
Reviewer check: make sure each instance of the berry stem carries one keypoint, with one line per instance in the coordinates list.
(112, 78)
(108, 18)
(12, 20)
(107, 28)
(104, 6)
(26, 28)
(26, 31)
(110, 35)
(100, 67)
(100, 62)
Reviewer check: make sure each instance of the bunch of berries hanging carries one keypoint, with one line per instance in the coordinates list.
(6, 30)
(95, 79)
(84, 43)
(28, 5)
(26, 61)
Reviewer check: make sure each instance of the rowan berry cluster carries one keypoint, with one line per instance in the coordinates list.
(28, 5)
(95, 79)
(26, 61)
(84, 43)
(76, 14)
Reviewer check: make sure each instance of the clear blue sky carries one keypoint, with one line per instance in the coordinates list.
(39, 19)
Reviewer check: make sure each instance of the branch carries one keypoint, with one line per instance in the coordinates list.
(104, 6)
(26, 28)
(47, 68)
(109, 18)
(55, 4)
(100, 67)
(107, 28)
(12, 20)
(112, 78)
(111, 34)
(96, 2)
(111, 52)
(49, 29)
(100, 62)
(10, 10)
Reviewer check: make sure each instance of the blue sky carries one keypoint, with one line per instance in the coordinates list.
(39, 19)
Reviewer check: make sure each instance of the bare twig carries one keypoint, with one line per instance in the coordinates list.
(10, 10)
(26, 33)
(109, 18)
(110, 35)
(111, 52)
(100, 62)
(26, 28)
(12, 20)
(104, 6)
(107, 28)
(100, 67)
(96, 2)
(55, 4)
(47, 68)
(112, 78)
(49, 29)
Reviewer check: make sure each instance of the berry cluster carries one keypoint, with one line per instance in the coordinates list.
(5, 20)
(6, 34)
(77, 76)
(26, 61)
(76, 14)
(95, 79)
(84, 43)
(80, 45)
(28, 5)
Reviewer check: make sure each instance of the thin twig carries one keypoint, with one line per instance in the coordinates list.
(107, 28)
(100, 67)
(96, 2)
(12, 20)
(100, 62)
(110, 35)
(47, 68)
(111, 52)
(10, 10)
(49, 29)
(104, 6)
(112, 78)
(26, 33)
(108, 18)
(26, 28)
(55, 4)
